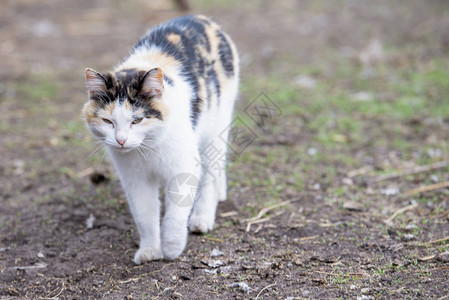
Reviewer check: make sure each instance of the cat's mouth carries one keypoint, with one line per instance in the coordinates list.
(123, 149)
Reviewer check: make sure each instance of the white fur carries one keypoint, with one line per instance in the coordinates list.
(154, 154)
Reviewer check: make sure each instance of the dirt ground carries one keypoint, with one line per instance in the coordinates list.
(340, 193)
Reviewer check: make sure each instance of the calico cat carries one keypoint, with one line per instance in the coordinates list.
(156, 113)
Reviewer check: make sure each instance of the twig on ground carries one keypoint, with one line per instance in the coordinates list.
(433, 269)
(214, 239)
(306, 238)
(268, 286)
(435, 241)
(248, 226)
(428, 188)
(360, 171)
(36, 266)
(267, 209)
(140, 277)
(400, 211)
(414, 170)
(55, 296)
(229, 214)
(344, 275)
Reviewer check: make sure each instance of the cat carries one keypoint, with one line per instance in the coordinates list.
(157, 113)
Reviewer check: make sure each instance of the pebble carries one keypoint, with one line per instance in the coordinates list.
(409, 236)
(216, 252)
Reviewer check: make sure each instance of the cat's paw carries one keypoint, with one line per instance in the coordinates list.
(200, 224)
(172, 249)
(147, 254)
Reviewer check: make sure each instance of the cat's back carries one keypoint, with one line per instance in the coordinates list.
(194, 38)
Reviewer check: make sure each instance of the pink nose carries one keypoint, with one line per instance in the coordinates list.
(121, 142)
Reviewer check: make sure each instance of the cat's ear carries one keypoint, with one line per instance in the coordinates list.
(152, 83)
(95, 82)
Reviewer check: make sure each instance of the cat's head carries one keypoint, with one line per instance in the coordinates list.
(125, 109)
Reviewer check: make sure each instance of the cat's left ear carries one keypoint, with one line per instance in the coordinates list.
(152, 83)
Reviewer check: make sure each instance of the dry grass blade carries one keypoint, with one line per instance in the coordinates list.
(55, 296)
(343, 275)
(268, 286)
(307, 238)
(400, 211)
(428, 188)
(135, 279)
(415, 170)
(436, 241)
(214, 239)
(360, 171)
(248, 227)
(263, 211)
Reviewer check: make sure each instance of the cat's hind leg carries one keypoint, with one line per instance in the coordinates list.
(213, 186)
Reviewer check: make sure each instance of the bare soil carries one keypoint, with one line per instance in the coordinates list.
(328, 239)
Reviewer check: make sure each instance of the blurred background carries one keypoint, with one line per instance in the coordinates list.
(361, 90)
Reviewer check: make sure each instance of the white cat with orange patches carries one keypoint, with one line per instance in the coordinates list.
(155, 113)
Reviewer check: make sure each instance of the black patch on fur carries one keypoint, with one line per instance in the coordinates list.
(103, 98)
(225, 53)
(212, 82)
(127, 85)
(168, 80)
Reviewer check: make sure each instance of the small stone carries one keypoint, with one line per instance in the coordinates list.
(391, 191)
(434, 178)
(352, 206)
(174, 277)
(216, 252)
(363, 97)
(364, 290)
(90, 221)
(305, 82)
(411, 227)
(305, 293)
(40, 254)
(348, 181)
(311, 151)
(409, 236)
(242, 286)
(443, 257)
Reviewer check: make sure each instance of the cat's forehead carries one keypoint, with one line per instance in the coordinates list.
(127, 81)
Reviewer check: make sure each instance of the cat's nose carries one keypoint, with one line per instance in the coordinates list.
(121, 141)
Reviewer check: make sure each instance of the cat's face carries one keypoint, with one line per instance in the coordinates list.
(125, 109)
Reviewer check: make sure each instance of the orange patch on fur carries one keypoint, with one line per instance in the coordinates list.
(89, 112)
(110, 107)
(127, 105)
(173, 38)
(162, 108)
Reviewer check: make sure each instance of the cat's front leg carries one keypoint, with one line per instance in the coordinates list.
(180, 195)
(143, 200)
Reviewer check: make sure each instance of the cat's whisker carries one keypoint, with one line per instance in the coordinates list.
(101, 160)
(98, 149)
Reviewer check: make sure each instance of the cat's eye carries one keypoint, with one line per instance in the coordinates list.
(107, 121)
(137, 121)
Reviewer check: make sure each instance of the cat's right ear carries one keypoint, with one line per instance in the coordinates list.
(95, 82)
